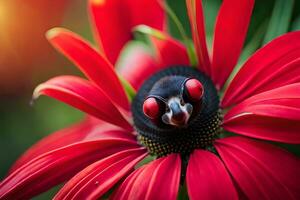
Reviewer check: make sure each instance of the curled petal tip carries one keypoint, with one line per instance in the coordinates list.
(147, 30)
(52, 33)
(36, 93)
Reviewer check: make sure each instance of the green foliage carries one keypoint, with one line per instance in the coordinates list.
(296, 24)
(280, 19)
(22, 125)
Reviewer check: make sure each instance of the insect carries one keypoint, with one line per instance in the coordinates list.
(173, 99)
(176, 110)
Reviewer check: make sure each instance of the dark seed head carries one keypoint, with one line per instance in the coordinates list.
(176, 134)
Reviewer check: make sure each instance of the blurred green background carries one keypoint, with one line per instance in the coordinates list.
(26, 59)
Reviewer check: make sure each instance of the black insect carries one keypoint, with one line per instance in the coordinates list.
(173, 100)
(176, 110)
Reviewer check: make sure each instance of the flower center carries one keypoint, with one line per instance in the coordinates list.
(176, 111)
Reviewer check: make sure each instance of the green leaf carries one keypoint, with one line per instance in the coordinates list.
(211, 10)
(130, 91)
(296, 24)
(189, 45)
(147, 30)
(280, 19)
(254, 43)
(145, 161)
(182, 193)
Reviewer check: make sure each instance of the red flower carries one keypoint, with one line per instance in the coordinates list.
(263, 101)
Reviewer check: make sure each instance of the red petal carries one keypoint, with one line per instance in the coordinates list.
(274, 65)
(230, 32)
(98, 178)
(123, 191)
(54, 167)
(156, 180)
(262, 171)
(84, 96)
(86, 130)
(114, 21)
(137, 65)
(207, 177)
(196, 16)
(90, 62)
(272, 115)
(169, 51)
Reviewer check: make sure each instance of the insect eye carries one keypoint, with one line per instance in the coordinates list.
(151, 108)
(194, 89)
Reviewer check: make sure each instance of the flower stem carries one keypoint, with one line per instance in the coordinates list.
(186, 40)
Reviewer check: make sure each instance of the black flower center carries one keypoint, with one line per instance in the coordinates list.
(162, 134)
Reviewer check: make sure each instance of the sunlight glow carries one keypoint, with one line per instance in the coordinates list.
(4, 23)
(99, 2)
(3, 14)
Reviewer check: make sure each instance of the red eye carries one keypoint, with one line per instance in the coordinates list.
(194, 89)
(151, 108)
